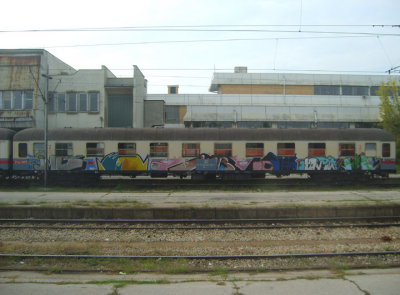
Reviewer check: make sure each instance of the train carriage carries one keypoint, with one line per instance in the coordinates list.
(225, 153)
(6, 136)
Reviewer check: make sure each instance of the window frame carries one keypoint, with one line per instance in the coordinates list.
(288, 149)
(22, 152)
(127, 150)
(159, 149)
(225, 151)
(72, 101)
(61, 102)
(91, 99)
(79, 102)
(370, 152)
(254, 149)
(316, 149)
(39, 152)
(66, 152)
(185, 149)
(98, 149)
(344, 152)
(386, 151)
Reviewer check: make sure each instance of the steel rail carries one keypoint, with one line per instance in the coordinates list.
(247, 220)
(222, 257)
(364, 225)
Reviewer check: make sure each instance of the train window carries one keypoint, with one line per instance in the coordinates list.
(159, 149)
(223, 149)
(63, 149)
(190, 149)
(370, 149)
(385, 149)
(94, 149)
(286, 149)
(316, 149)
(22, 150)
(126, 149)
(38, 150)
(254, 149)
(347, 149)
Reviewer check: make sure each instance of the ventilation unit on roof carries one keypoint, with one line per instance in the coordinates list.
(240, 69)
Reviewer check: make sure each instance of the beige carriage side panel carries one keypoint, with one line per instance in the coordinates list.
(174, 149)
(301, 149)
(332, 149)
(239, 149)
(270, 146)
(207, 147)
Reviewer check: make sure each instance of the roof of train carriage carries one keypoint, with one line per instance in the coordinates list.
(204, 134)
(6, 133)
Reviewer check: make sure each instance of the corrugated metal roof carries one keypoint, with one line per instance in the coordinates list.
(212, 134)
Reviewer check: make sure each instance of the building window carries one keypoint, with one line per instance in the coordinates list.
(93, 102)
(354, 90)
(333, 125)
(283, 125)
(126, 149)
(254, 124)
(172, 114)
(316, 149)
(94, 149)
(38, 150)
(71, 106)
(254, 150)
(374, 90)
(223, 149)
(60, 102)
(159, 149)
(386, 150)
(28, 100)
(370, 149)
(64, 149)
(366, 125)
(22, 150)
(286, 149)
(190, 149)
(17, 100)
(326, 90)
(6, 98)
(83, 102)
(347, 149)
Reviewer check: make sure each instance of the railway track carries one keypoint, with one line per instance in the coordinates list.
(202, 224)
(176, 183)
(200, 245)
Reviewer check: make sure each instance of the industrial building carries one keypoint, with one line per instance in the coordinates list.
(30, 78)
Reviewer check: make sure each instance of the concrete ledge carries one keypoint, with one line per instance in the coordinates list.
(15, 212)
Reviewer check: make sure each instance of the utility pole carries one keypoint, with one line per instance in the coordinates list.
(46, 126)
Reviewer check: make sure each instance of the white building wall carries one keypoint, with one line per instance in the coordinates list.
(79, 81)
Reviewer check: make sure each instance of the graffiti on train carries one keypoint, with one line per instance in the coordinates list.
(205, 162)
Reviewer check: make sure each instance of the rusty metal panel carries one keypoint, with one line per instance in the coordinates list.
(19, 72)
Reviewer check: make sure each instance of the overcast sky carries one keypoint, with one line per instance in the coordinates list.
(208, 35)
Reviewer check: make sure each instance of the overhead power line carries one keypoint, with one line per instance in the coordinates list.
(203, 40)
(195, 28)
